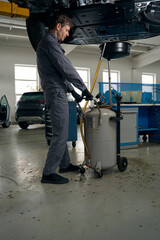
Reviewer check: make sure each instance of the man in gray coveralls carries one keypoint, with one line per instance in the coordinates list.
(57, 76)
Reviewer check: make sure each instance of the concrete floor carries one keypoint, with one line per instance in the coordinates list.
(118, 206)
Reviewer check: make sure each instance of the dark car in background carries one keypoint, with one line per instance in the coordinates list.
(5, 112)
(30, 109)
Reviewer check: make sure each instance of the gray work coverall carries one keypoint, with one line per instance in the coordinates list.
(56, 74)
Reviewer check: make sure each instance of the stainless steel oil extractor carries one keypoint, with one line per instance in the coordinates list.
(100, 137)
(102, 124)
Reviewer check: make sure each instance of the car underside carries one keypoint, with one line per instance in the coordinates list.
(95, 21)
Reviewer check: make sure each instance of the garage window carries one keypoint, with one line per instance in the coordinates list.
(148, 79)
(115, 78)
(26, 79)
(85, 75)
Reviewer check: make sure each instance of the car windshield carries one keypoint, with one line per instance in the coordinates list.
(32, 96)
(3, 101)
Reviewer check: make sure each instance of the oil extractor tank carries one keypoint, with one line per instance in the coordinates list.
(100, 137)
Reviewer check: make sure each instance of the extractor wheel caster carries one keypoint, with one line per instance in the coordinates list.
(98, 173)
(82, 170)
(122, 164)
(74, 144)
(144, 138)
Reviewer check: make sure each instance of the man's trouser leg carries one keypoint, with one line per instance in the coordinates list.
(58, 151)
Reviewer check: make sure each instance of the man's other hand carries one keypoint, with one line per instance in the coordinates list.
(77, 97)
(88, 96)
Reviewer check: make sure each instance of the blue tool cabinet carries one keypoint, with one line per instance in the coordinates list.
(149, 121)
(72, 128)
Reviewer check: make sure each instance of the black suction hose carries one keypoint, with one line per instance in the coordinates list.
(118, 118)
(118, 126)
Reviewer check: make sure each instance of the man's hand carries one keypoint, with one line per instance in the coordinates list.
(88, 96)
(77, 97)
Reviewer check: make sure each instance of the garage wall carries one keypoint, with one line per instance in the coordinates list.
(91, 61)
(22, 53)
(152, 68)
(124, 65)
(10, 55)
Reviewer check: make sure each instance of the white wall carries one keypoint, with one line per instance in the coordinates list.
(10, 55)
(22, 53)
(91, 61)
(152, 68)
(124, 65)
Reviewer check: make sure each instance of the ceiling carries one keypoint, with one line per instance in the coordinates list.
(143, 52)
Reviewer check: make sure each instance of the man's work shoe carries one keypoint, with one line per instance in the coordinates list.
(70, 168)
(54, 179)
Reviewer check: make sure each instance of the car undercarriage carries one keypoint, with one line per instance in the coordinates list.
(95, 21)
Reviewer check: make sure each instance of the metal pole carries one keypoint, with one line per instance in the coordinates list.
(109, 80)
(101, 57)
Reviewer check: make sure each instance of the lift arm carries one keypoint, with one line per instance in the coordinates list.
(12, 10)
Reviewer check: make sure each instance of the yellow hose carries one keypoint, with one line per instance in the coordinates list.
(93, 84)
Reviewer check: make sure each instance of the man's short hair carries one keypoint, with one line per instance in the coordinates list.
(62, 19)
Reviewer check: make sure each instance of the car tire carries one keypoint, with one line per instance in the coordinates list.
(6, 124)
(23, 125)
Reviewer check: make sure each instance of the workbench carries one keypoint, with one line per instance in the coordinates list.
(140, 106)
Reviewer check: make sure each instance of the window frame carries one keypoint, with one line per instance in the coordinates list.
(37, 80)
(152, 84)
(86, 83)
(112, 71)
(88, 75)
(150, 74)
(116, 85)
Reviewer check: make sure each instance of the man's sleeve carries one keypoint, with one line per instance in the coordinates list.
(69, 87)
(64, 66)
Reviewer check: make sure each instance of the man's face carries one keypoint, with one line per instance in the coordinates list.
(62, 32)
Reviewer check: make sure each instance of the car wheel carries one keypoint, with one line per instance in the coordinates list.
(6, 125)
(23, 125)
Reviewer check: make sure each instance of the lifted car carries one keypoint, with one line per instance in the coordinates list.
(95, 21)
(5, 113)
